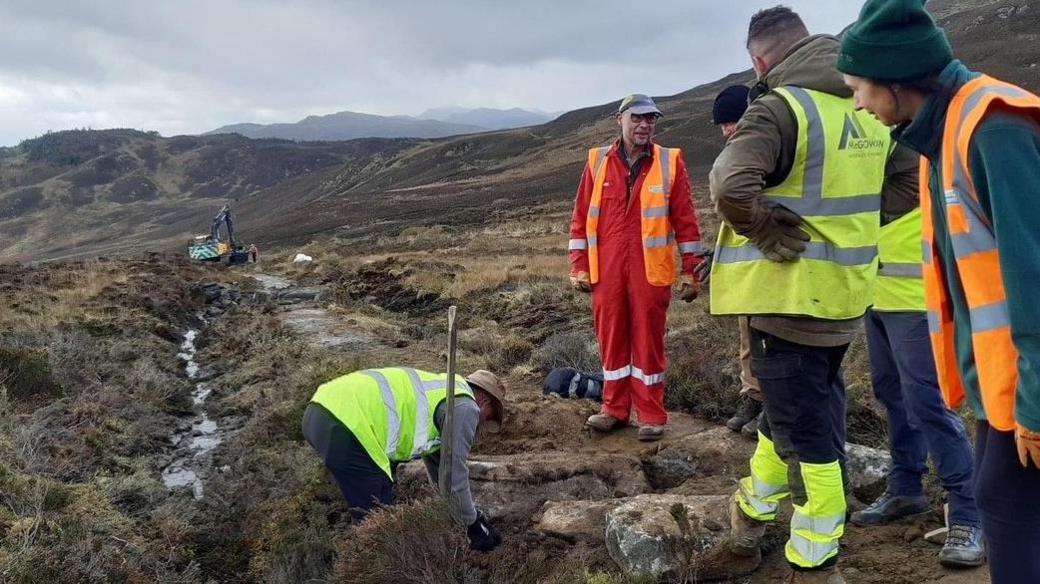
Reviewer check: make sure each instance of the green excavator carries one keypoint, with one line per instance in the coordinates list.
(210, 248)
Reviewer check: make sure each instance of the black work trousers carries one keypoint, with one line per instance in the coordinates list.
(1007, 495)
(364, 485)
(804, 399)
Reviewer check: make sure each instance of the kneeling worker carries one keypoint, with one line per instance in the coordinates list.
(363, 424)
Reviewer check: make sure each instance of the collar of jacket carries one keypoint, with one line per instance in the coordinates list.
(924, 133)
(808, 64)
(619, 149)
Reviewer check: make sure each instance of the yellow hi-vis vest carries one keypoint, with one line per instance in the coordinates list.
(390, 411)
(658, 237)
(835, 186)
(900, 280)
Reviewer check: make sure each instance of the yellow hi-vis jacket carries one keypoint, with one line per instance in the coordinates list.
(835, 186)
(900, 279)
(390, 411)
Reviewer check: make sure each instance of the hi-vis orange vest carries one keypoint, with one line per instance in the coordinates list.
(978, 262)
(658, 238)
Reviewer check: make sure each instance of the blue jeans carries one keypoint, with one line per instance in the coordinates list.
(919, 423)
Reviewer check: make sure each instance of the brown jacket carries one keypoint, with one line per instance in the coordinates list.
(760, 155)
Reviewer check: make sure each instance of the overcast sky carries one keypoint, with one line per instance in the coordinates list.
(193, 65)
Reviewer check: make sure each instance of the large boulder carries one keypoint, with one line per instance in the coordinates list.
(676, 537)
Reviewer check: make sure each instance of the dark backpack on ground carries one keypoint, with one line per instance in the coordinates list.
(571, 383)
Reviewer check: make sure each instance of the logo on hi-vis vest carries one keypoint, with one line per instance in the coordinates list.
(854, 137)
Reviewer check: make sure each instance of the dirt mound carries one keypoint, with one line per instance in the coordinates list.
(382, 283)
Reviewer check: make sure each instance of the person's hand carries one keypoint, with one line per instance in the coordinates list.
(784, 239)
(703, 269)
(1028, 443)
(580, 281)
(483, 537)
(688, 288)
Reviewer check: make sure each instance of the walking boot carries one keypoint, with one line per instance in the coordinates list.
(603, 422)
(747, 412)
(750, 430)
(745, 533)
(888, 508)
(963, 548)
(825, 576)
(650, 433)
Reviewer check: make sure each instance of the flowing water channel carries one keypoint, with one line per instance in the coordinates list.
(196, 440)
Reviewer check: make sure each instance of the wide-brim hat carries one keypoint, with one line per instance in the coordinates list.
(493, 386)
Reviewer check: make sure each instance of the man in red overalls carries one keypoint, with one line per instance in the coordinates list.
(633, 210)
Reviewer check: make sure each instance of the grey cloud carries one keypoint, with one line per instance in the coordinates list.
(192, 65)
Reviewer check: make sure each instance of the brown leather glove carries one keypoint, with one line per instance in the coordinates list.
(1028, 443)
(581, 282)
(781, 239)
(688, 288)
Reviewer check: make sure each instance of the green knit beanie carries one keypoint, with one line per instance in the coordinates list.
(894, 40)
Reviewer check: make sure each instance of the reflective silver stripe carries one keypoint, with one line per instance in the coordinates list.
(666, 185)
(690, 247)
(971, 243)
(593, 211)
(757, 500)
(812, 184)
(989, 317)
(615, 374)
(926, 252)
(815, 552)
(592, 239)
(831, 206)
(600, 160)
(825, 526)
(393, 433)
(573, 389)
(647, 379)
(422, 414)
(814, 250)
(661, 241)
(901, 270)
(960, 180)
(576, 244)
(764, 489)
(934, 326)
(655, 212)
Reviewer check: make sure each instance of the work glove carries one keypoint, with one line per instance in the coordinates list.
(783, 239)
(688, 288)
(1028, 443)
(580, 281)
(703, 269)
(482, 536)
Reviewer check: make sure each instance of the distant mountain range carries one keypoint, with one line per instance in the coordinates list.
(492, 119)
(434, 123)
(349, 126)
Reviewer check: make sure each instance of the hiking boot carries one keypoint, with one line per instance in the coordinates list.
(745, 532)
(746, 413)
(603, 422)
(650, 433)
(963, 547)
(825, 576)
(750, 430)
(888, 508)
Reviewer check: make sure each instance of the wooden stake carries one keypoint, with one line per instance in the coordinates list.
(448, 431)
